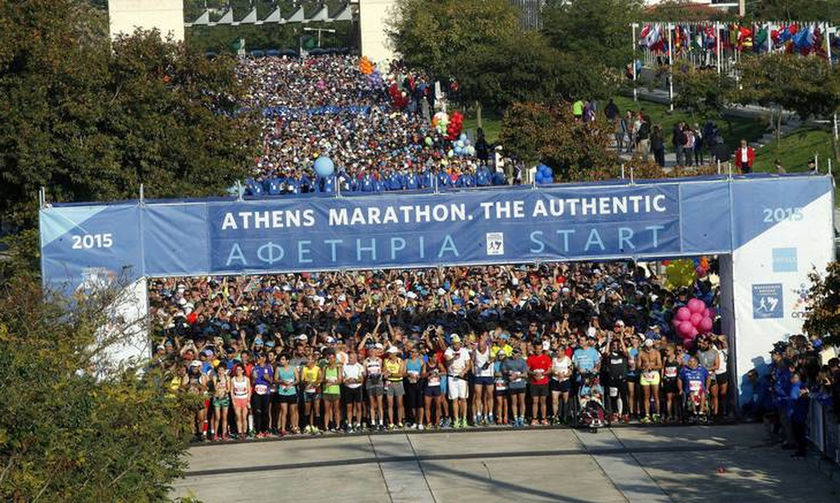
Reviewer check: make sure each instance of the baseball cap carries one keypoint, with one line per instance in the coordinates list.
(258, 341)
(648, 342)
(619, 323)
(378, 346)
(393, 349)
(455, 338)
(546, 345)
(591, 332)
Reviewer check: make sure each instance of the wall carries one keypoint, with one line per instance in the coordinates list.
(165, 15)
(373, 17)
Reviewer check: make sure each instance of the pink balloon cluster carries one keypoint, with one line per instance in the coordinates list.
(693, 319)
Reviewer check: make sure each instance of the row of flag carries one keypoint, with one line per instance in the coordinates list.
(804, 38)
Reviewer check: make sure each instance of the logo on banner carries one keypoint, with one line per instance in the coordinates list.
(495, 243)
(767, 301)
(801, 301)
(784, 260)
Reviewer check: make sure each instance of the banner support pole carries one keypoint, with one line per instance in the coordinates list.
(670, 69)
(142, 195)
(633, 62)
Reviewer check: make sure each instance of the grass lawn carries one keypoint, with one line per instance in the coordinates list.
(795, 150)
(750, 129)
(491, 123)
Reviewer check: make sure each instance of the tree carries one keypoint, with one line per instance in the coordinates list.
(823, 313)
(805, 85)
(92, 120)
(521, 69)
(800, 10)
(74, 427)
(575, 150)
(701, 91)
(596, 32)
(437, 36)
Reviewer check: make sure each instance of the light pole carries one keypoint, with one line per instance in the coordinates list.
(319, 30)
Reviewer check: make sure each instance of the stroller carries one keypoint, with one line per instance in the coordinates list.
(591, 404)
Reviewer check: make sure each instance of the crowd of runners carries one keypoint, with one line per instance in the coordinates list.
(436, 348)
(325, 106)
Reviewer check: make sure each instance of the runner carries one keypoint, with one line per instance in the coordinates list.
(483, 366)
(221, 401)
(515, 369)
(375, 387)
(501, 388)
(195, 382)
(311, 376)
(287, 378)
(670, 374)
(432, 394)
(709, 357)
(632, 378)
(617, 380)
(262, 375)
(332, 392)
(722, 376)
(459, 363)
(539, 366)
(414, 368)
(650, 362)
(394, 389)
(353, 377)
(241, 394)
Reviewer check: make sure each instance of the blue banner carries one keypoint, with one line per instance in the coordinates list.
(85, 244)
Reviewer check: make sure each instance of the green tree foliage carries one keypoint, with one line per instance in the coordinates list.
(703, 92)
(595, 32)
(91, 120)
(823, 313)
(438, 36)
(799, 10)
(70, 430)
(575, 150)
(805, 85)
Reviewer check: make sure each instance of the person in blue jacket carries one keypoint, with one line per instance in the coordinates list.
(797, 412)
(466, 179)
(412, 180)
(426, 179)
(482, 176)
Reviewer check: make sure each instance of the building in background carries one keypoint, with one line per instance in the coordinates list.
(125, 16)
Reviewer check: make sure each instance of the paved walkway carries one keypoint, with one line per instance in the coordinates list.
(662, 464)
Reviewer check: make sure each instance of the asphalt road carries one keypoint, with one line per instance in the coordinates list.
(659, 464)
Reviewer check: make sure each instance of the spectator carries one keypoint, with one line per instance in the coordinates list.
(657, 145)
(611, 111)
(744, 157)
(678, 140)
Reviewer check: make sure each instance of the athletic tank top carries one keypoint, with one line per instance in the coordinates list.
(480, 360)
(393, 368)
(331, 374)
(221, 387)
(240, 387)
(631, 361)
(561, 366)
(707, 358)
(286, 376)
(310, 378)
(373, 369)
(413, 369)
(671, 368)
(433, 372)
(723, 352)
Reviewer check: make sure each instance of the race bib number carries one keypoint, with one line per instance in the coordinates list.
(613, 392)
(434, 381)
(694, 386)
(311, 390)
(501, 385)
(670, 372)
(261, 389)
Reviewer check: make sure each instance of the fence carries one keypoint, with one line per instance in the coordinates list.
(825, 430)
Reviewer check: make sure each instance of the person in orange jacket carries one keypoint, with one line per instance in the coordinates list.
(744, 157)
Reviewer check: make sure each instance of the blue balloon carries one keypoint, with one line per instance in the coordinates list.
(324, 166)
(538, 177)
(463, 137)
(458, 150)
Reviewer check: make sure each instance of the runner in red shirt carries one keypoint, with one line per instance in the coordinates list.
(539, 365)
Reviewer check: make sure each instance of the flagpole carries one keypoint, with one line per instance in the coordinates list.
(633, 62)
(670, 70)
(830, 63)
(769, 38)
(717, 45)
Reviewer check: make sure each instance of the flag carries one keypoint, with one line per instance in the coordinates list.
(761, 40)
